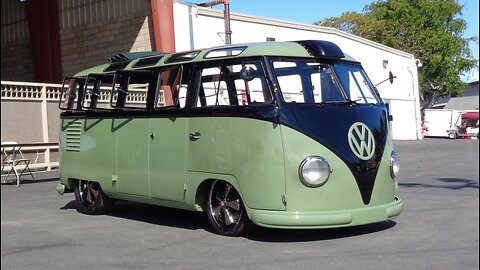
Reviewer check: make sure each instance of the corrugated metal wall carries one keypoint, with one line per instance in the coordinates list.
(14, 21)
(74, 13)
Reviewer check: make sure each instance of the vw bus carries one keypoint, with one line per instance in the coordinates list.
(278, 134)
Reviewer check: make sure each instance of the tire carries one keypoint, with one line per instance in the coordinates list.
(90, 198)
(452, 135)
(226, 211)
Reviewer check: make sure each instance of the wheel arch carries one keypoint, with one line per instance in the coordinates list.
(200, 184)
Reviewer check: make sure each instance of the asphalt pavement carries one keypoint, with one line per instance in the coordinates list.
(438, 229)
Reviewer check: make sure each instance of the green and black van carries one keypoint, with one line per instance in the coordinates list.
(278, 134)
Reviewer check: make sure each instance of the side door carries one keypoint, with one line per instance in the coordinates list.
(168, 136)
(132, 155)
(130, 96)
(231, 133)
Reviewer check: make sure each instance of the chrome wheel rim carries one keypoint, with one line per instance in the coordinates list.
(88, 192)
(224, 206)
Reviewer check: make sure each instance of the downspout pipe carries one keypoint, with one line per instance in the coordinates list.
(163, 27)
(226, 17)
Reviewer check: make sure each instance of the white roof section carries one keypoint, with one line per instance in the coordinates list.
(300, 26)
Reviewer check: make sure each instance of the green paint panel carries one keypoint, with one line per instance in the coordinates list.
(250, 150)
(153, 160)
(168, 158)
(132, 155)
(338, 203)
(340, 192)
(95, 159)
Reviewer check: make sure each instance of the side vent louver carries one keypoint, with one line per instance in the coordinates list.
(74, 136)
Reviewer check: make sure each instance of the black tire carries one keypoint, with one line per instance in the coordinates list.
(225, 210)
(452, 135)
(90, 198)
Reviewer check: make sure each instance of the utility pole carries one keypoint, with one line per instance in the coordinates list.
(226, 17)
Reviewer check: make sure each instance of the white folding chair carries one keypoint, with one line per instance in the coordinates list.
(13, 158)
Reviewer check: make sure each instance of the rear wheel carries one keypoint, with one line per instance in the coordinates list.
(226, 211)
(452, 135)
(90, 198)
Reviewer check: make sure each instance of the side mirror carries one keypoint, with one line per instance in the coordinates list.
(391, 77)
(247, 73)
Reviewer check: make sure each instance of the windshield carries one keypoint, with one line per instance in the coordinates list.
(307, 81)
(356, 84)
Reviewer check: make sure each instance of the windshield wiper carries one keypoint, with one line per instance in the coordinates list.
(352, 102)
(342, 102)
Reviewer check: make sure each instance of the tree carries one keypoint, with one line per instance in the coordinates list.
(431, 30)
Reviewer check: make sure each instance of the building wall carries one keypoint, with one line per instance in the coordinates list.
(29, 112)
(16, 55)
(93, 31)
(197, 27)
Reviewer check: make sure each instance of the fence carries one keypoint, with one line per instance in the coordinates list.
(29, 115)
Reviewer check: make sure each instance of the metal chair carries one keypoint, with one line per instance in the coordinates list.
(13, 158)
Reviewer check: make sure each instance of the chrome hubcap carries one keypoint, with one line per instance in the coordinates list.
(88, 192)
(224, 205)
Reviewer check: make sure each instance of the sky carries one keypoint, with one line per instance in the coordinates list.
(310, 11)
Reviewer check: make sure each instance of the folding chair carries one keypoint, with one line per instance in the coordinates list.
(13, 158)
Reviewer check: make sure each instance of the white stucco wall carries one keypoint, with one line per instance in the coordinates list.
(197, 28)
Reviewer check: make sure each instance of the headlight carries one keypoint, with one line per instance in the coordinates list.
(314, 171)
(394, 164)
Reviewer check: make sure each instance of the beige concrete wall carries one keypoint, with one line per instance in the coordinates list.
(30, 114)
(53, 114)
(21, 121)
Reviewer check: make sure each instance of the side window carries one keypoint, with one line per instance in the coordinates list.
(292, 88)
(214, 91)
(72, 93)
(222, 85)
(171, 92)
(255, 91)
(130, 89)
(97, 92)
(304, 81)
(291, 84)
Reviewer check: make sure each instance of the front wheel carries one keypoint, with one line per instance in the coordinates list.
(90, 198)
(226, 211)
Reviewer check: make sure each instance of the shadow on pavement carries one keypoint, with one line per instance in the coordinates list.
(28, 181)
(158, 215)
(191, 220)
(279, 235)
(446, 183)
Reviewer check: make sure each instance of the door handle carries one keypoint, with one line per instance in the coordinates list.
(194, 136)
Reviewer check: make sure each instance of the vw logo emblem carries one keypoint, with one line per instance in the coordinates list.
(361, 141)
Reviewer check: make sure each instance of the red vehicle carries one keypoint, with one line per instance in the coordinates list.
(469, 124)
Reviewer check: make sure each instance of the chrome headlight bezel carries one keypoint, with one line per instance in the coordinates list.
(394, 164)
(314, 171)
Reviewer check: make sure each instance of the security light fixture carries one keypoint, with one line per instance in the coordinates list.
(385, 63)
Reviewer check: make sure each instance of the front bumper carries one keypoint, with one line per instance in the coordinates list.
(62, 188)
(330, 219)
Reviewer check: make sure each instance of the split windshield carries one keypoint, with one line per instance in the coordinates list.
(307, 81)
